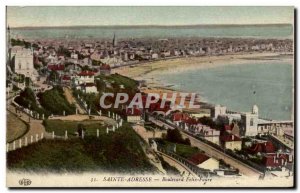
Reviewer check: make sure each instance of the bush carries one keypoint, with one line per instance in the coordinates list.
(55, 102)
(27, 100)
(174, 136)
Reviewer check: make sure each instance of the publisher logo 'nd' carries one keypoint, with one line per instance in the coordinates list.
(25, 182)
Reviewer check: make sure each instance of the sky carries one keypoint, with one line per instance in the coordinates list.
(74, 16)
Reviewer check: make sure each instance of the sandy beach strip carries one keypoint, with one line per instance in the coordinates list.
(146, 70)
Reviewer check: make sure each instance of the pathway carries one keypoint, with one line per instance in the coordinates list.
(70, 98)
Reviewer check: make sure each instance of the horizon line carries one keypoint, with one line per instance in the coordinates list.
(150, 25)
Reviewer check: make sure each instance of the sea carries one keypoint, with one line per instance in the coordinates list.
(239, 87)
(106, 32)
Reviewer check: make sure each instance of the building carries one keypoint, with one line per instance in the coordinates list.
(84, 77)
(105, 69)
(249, 122)
(23, 62)
(203, 161)
(229, 141)
(263, 147)
(277, 160)
(133, 115)
(218, 110)
(88, 88)
(208, 133)
(233, 128)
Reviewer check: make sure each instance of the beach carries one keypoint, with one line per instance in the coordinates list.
(149, 71)
(145, 71)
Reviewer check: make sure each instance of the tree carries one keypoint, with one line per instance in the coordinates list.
(174, 136)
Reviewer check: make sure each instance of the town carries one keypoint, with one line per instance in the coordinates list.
(52, 81)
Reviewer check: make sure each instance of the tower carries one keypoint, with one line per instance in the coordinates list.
(114, 42)
(254, 109)
(249, 122)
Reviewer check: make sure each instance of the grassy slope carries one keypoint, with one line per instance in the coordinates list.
(60, 126)
(55, 102)
(120, 151)
(15, 127)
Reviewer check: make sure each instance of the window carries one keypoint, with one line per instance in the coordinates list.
(251, 122)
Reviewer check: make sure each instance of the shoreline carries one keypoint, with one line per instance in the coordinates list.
(143, 70)
(148, 71)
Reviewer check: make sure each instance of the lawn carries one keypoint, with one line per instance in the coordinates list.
(16, 128)
(119, 152)
(60, 126)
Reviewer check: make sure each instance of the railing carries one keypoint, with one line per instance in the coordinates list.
(24, 141)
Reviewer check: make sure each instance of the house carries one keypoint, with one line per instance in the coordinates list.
(84, 77)
(133, 115)
(203, 161)
(89, 88)
(179, 117)
(233, 128)
(74, 56)
(277, 160)
(154, 56)
(55, 67)
(105, 69)
(208, 133)
(66, 79)
(230, 141)
(264, 147)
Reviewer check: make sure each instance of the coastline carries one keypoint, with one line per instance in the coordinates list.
(148, 71)
(145, 70)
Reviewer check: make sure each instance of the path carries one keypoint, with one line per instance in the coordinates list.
(70, 98)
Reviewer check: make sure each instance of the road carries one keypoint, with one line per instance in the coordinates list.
(215, 153)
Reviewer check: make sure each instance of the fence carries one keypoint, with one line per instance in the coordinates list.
(24, 141)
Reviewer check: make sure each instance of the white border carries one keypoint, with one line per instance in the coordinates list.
(3, 3)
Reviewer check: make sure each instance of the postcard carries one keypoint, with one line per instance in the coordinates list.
(148, 97)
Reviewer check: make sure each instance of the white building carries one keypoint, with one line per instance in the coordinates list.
(24, 62)
(89, 88)
(84, 77)
(218, 110)
(249, 122)
(208, 133)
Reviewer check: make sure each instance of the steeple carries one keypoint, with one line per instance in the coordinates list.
(114, 40)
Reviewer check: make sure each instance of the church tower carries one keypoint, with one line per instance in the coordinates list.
(114, 42)
(249, 122)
